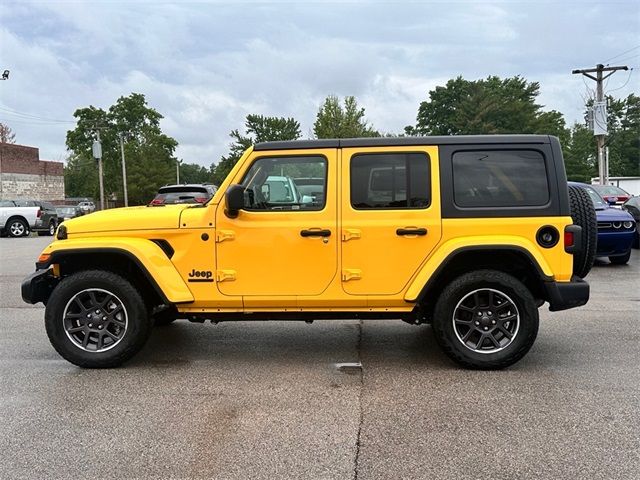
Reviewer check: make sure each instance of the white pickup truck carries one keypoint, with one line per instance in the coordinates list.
(18, 221)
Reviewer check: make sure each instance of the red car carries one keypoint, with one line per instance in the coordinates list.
(612, 195)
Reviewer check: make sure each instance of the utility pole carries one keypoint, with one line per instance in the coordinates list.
(97, 154)
(124, 169)
(177, 171)
(600, 114)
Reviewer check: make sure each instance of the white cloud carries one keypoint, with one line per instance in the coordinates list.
(206, 65)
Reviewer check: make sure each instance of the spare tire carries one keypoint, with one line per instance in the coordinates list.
(584, 215)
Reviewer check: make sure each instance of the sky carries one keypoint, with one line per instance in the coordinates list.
(206, 65)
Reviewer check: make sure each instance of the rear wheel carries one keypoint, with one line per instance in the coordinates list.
(485, 320)
(96, 319)
(51, 229)
(621, 260)
(584, 215)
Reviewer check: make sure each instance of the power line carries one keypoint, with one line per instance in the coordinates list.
(30, 116)
(620, 54)
(629, 58)
(625, 83)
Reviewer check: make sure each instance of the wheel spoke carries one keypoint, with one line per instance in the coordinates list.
(468, 334)
(100, 342)
(480, 341)
(106, 300)
(506, 332)
(495, 342)
(112, 335)
(76, 329)
(94, 301)
(466, 309)
(78, 302)
(85, 341)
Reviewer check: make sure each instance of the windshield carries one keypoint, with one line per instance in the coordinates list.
(610, 190)
(598, 202)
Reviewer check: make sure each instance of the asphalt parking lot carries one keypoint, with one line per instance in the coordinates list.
(265, 399)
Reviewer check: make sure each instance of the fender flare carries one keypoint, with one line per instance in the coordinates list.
(437, 263)
(148, 256)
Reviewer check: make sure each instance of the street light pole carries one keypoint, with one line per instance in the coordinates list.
(177, 171)
(124, 170)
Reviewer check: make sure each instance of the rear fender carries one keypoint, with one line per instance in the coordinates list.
(440, 257)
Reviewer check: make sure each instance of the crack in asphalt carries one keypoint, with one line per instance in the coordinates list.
(360, 409)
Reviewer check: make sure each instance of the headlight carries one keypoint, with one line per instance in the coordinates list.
(617, 224)
(62, 232)
(628, 225)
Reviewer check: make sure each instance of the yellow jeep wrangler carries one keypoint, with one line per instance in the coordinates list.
(471, 234)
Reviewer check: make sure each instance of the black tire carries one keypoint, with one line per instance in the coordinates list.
(50, 231)
(504, 292)
(136, 325)
(584, 215)
(17, 227)
(621, 260)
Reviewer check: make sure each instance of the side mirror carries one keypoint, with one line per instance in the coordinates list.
(234, 198)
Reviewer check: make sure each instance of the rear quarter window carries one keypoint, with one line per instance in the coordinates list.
(500, 178)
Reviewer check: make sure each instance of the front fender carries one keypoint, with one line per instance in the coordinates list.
(146, 254)
(449, 248)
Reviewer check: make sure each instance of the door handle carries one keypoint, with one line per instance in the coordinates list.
(315, 233)
(411, 231)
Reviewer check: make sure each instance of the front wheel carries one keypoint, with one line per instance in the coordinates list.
(96, 319)
(485, 320)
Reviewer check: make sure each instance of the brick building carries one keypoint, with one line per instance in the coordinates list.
(24, 176)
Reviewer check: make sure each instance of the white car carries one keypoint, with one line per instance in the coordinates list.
(87, 207)
(18, 221)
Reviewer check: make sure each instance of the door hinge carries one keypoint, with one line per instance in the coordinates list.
(350, 234)
(351, 274)
(222, 235)
(225, 275)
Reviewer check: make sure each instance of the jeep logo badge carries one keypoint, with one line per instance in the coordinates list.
(200, 276)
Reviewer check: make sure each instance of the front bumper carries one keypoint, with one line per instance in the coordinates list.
(38, 286)
(565, 295)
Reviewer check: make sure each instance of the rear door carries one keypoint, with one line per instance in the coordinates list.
(390, 216)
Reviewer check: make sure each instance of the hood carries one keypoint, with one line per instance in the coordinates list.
(613, 215)
(130, 218)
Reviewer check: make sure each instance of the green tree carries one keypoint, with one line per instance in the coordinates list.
(489, 106)
(623, 141)
(6, 134)
(336, 121)
(194, 173)
(149, 152)
(580, 154)
(259, 128)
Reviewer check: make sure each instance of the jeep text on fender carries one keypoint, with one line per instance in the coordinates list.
(471, 234)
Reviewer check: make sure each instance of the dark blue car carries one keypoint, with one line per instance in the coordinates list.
(616, 228)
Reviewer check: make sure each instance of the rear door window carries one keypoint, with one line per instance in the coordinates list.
(390, 181)
(500, 178)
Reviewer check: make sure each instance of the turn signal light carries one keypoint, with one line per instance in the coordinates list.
(44, 257)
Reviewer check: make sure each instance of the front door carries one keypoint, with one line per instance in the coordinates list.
(390, 216)
(283, 243)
